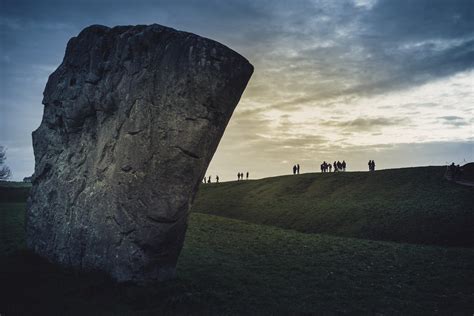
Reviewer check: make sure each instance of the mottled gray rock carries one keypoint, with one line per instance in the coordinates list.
(132, 118)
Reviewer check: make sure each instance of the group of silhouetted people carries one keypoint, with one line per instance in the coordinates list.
(453, 172)
(240, 176)
(336, 166)
(209, 179)
(371, 165)
(296, 169)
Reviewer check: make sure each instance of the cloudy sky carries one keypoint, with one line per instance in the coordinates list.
(352, 79)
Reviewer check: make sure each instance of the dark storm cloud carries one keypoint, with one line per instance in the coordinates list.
(317, 49)
(391, 46)
(419, 40)
(417, 20)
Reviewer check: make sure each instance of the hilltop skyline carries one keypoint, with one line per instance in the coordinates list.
(353, 80)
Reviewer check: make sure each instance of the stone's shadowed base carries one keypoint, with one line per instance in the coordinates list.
(132, 118)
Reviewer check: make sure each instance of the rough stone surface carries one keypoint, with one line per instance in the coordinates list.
(132, 118)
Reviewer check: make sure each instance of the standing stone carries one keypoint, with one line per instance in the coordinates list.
(132, 118)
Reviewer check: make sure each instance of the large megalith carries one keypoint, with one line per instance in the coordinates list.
(132, 118)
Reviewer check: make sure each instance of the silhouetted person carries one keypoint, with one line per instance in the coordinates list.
(217, 179)
(343, 165)
(372, 165)
(457, 172)
(330, 167)
(451, 171)
(335, 166)
(294, 169)
(209, 179)
(298, 168)
(247, 175)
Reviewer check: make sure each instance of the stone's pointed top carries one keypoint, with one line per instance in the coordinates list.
(95, 28)
(101, 30)
(98, 49)
(131, 121)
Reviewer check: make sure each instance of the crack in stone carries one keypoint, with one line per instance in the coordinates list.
(188, 153)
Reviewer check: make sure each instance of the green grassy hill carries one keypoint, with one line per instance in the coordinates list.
(234, 267)
(413, 205)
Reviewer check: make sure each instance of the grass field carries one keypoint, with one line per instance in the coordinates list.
(413, 205)
(230, 266)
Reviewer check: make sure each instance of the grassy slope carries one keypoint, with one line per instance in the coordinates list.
(14, 191)
(12, 217)
(414, 205)
(230, 266)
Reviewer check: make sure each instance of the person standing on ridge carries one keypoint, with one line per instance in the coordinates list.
(217, 179)
(371, 165)
(247, 175)
(298, 168)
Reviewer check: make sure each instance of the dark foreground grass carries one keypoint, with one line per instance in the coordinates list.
(12, 235)
(412, 205)
(233, 267)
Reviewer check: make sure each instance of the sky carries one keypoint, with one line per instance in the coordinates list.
(351, 80)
